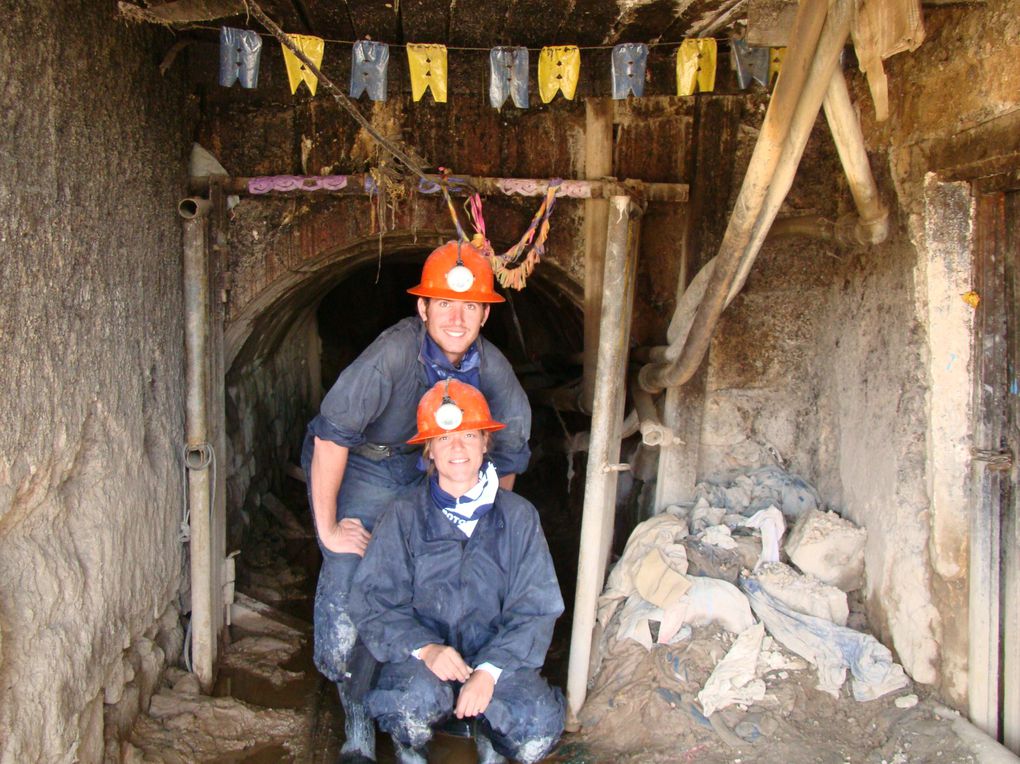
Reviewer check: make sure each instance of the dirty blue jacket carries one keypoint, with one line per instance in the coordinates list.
(493, 597)
(375, 400)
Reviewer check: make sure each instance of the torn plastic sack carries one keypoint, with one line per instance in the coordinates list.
(313, 47)
(831, 648)
(629, 62)
(659, 531)
(695, 66)
(734, 679)
(370, 62)
(559, 67)
(660, 577)
(708, 601)
(829, 548)
(803, 593)
(427, 64)
(508, 76)
(240, 51)
(772, 526)
(750, 64)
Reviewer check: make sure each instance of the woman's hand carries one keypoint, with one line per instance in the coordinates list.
(347, 537)
(445, 663)
(475, 695)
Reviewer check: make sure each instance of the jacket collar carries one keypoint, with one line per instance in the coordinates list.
(437, 527)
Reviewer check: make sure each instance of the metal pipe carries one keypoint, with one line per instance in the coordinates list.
(193, 206)
(196, 346)
(653, 432)
(873, 225)
(604, 449)
(788, 121)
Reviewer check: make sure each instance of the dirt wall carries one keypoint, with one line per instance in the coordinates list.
(90, 315)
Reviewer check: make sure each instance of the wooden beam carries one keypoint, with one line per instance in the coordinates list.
(461, 185)
(598, 163)
(599, 511)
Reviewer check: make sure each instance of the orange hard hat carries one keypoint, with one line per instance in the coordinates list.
(457, 271)
(452, 406)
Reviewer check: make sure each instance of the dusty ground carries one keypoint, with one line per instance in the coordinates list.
(274, 707)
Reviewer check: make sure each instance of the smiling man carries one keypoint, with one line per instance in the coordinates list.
(356, 454)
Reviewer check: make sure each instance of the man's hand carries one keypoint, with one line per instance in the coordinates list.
(445, 663)
(475, 695)
(347, 537)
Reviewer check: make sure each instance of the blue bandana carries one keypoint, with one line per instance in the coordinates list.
(438, 366)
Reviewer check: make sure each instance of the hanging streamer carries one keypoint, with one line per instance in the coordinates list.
(559, 66)
(240, 50)
(750, 64)
(695, 66)
(513, 267)
(428, 71)
(369, 63)
(629, 62)
(508, 69)
(297, 72)
(776, 56)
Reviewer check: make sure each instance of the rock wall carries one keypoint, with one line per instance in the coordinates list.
(90, 317)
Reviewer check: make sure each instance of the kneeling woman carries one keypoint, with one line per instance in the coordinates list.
(457, 597)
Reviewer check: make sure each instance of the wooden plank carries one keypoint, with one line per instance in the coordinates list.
(598, 163)
(1010, 630)
(989, 483)
(711, 170)
(604, 448)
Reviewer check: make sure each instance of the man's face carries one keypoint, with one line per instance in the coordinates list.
(453, 324)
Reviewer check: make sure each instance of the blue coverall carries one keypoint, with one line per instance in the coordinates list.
(493, 597)
(371, 409)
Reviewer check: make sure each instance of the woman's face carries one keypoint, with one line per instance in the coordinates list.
(458, 457)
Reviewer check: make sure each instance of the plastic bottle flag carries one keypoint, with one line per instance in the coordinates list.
(559, 66)
(428, 71)
(508, 69)
(629, 62)
(369, 64)
(776, 56)
(695, 66)
(297, 72)
(240, 50)
(749, 63)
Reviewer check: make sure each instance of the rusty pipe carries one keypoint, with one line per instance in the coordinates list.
(872, 227)
(788, 122)
(191, 207)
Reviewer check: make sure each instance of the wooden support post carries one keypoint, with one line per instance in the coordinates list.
(604, 449)
(710, 170)
(218, 267)
(598, 163)
(1011, 523)
(990, 481)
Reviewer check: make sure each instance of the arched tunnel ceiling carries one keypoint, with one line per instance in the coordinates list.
(483, 23)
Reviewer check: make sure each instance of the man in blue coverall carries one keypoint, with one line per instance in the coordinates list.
(356, 454)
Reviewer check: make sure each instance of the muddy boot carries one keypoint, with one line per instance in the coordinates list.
(486, 753)
(408, 755)
(359, 731)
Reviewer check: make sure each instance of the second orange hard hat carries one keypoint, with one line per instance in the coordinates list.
(457, 271)
(452, 406)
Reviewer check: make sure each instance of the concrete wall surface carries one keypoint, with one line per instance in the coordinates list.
(93, 163)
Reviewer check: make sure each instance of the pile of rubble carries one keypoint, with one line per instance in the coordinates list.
(718, 629)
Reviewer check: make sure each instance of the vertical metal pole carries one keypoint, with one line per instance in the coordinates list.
(604, 450)
(200, 483)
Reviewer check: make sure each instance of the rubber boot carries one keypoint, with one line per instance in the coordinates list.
(408, 755)
(486, 753)
(359, 731)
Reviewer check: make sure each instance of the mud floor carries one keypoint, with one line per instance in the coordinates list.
(270, 705)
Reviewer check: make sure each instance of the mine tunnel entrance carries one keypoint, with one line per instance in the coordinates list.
(539, 330)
